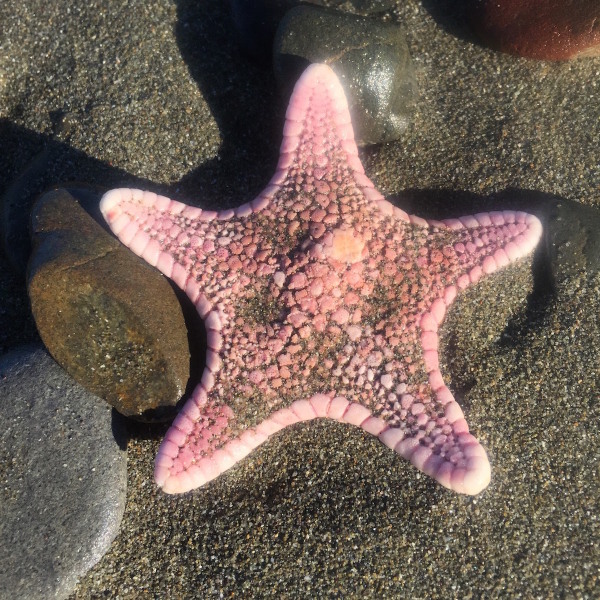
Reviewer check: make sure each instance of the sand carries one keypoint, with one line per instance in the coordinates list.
(157, 94)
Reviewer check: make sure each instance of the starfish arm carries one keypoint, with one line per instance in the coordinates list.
(187, 244)
(198, 448)
(409, 408)
(480, 245)
(485, 242)
(318, 130)
(434, 436)
(318, 138)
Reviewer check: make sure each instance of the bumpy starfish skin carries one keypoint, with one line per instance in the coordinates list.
(320, 299)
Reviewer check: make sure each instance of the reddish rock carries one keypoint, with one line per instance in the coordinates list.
(542, 29)
(111, 321)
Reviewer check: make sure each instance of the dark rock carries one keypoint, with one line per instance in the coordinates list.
(64, 477)
(256, 20)
(542, 29)
(113, 322)
(572, 235)
(369, 56)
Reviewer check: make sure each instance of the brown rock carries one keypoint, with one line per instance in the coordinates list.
(542, 29)
(111, 321)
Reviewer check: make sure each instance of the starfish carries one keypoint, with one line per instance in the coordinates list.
(320, 299)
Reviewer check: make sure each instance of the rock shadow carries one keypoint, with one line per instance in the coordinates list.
(244, 102)
(33, 164)
(453, 16)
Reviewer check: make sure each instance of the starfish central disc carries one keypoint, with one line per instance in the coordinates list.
(320, 299)
(346, 246)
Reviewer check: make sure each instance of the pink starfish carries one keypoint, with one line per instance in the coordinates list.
(320, 299)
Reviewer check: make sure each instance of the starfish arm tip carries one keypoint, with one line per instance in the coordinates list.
(108, 201)
(469, 479)
(536, 229)
(472, 475)
(477, 477)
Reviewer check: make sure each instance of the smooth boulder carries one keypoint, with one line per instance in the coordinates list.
(64, 477)
(542, 29)
(112, 321)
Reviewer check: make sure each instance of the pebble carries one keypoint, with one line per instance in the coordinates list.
(542, 29)
(110, 320)
(369, 55)
(64, 477)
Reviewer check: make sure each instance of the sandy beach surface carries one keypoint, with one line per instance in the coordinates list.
(157, 94)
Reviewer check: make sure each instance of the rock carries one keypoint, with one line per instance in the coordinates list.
(64, 477)
(572, 235)
(256, 20)
(110, 320)
(370, 57)
(542, 29)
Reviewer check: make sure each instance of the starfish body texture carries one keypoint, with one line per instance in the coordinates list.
(320, 299)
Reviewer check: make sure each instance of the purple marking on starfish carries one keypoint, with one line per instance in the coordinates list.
(320, 299)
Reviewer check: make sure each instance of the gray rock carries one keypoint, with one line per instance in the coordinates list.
(63, 477)
(256, 20)
(110, 320)
(369, 55)
(572, 235)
